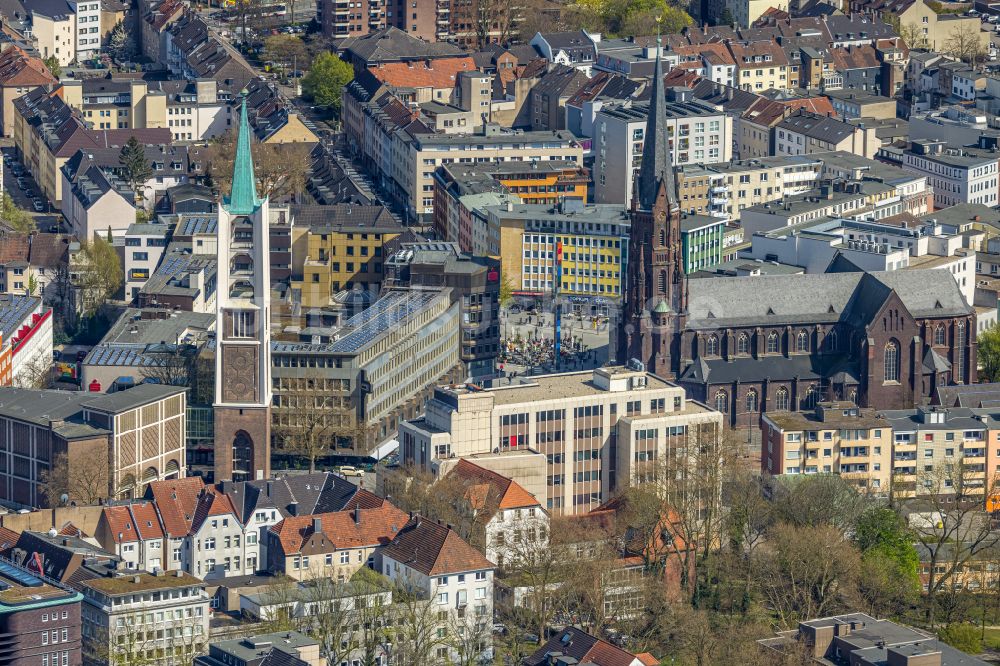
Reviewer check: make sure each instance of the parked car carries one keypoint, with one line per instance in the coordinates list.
(38, 205)
(350, 470)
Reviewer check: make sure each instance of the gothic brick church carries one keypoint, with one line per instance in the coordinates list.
(750, 345)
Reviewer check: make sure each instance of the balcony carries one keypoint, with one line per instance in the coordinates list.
(719, 189)
(718, 201)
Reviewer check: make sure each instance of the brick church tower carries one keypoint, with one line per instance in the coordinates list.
(242, 331)
(655, 300)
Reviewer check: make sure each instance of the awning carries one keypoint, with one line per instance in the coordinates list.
(384, 449)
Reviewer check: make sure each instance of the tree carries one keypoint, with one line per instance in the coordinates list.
(966, 44)
(749, 517)
(285, 50)
(17, 218)
(280, 169)
(628, 17)
(136, 168)
(962, 636)
(314, 425)
(119, 44)
(989, 353)
(798, 577)
(911, 33)
(817, 500)
(881, 530)
(726, 18)
(100, 274)
(173, 366)
(414, 637)
(949, 524)
(85, 480)
(52, 63)
(36, 373)
(325, 81)
(506, 291)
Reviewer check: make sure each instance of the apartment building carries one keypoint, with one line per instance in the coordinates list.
(144, 248)
(333, 545)
(339, 247)
(96, 201)
(745, 183)
(416, 156)
(351, 19)
(25, 340)
(191, 110)
(137, 434)
(572, 438)
(940, 450)
(592, 239)
(40, 618)
(431, 561)
(54, 28)
(701, 241)
(837, 438)
(955, 176)
(698, 133)
(289, 646)
(160, 618)
(804, 133)
(760, 65)
(20, 73)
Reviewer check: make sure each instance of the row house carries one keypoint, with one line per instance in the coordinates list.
(214, 531)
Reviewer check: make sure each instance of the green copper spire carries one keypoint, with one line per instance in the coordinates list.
(243, 198)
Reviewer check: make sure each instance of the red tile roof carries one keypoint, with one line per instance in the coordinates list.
(744, 54)
(120, 525)
(438, 74)
(507, 493)
(17, 68)
(14, 247)
(177, 500)
(146, 520)
(647, 659)
(820, 105)
(434, 549)
(212, 504)
(356, 528)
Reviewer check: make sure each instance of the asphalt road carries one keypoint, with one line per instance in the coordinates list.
(45, 219)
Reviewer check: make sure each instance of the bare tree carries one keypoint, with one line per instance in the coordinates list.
(311, 425)
(414, 637)
(36, 374)
(949, 523)
(280, 168)
(173, 366)
(966, 43)
(86, 480)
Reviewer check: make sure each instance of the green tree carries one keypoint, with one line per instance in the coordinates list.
(324, 84)
(726, 18)
(135, 165)
(17, 218)
(53, 64)
(962, 636)
(881, 530)
(100, 275)
(989, 353)
(506, 291)
(628, 17)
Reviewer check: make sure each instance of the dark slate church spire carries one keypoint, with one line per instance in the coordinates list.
(656, 163)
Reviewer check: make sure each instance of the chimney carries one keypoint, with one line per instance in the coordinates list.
(357, 515)
(293, 508)
(268, 487)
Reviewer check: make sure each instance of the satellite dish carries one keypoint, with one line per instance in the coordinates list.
(64, 498)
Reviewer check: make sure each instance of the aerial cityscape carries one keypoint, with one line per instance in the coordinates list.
(493, 333)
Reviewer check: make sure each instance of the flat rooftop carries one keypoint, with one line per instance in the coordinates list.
(387, 312)
(129, 582)
(21, 589)
(13, 311)
(560, 387)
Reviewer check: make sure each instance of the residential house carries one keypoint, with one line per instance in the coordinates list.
(760, 66)
(582, 648)
(805, 133)
(575, 48)
(96, 202)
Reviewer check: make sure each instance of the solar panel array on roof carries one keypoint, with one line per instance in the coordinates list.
(375, 321)
(198, 225)
(22, 578)
(13, 312)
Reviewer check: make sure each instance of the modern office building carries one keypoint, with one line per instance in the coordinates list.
(573, 439)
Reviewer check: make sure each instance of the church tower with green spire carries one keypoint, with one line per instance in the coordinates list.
(242, 332)
(654, 305)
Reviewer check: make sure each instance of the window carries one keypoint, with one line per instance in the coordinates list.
(743, 344)
(802, 342)
(772, 343)
(210, 543)
(781, 400)
(891, 361)
(939, 335)
(722, 402)
(442, 598)
(712, 345)
(751, 400)
(243, 324)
